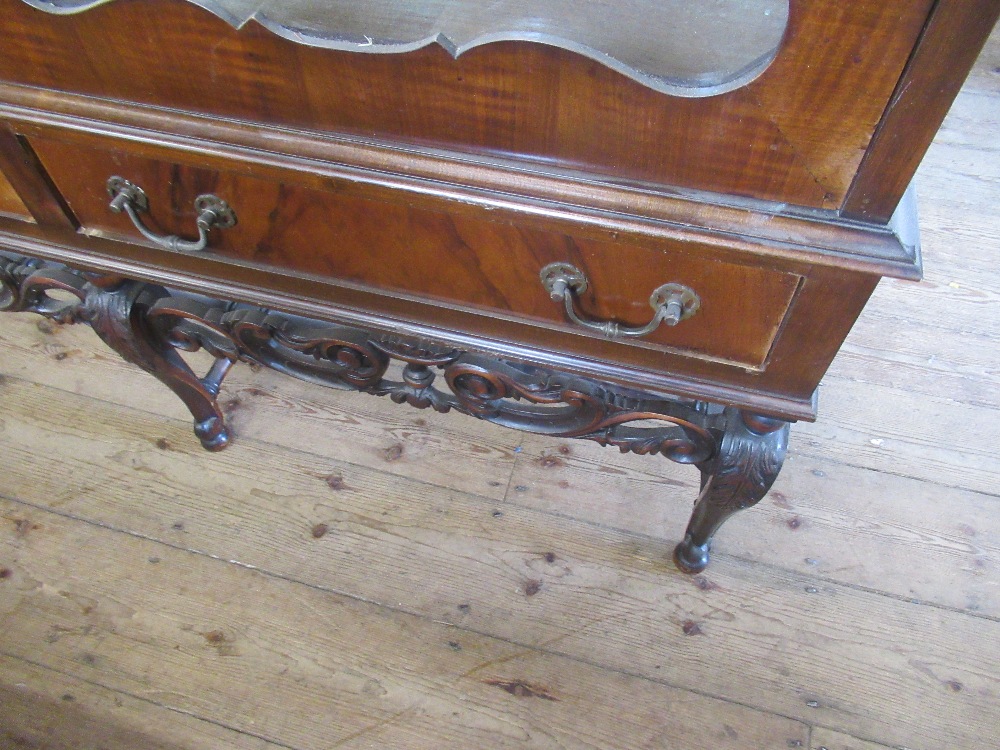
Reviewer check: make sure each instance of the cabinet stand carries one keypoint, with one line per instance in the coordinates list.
(739, 453)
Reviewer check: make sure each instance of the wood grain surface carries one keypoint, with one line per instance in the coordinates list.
(445, 686)
(10, 203)
(697, 50)
(395, 246)
(767, 329)
(28, 190)
(352, 572)
(48, 709)
(824, 739)
(922, 98)
(797, 134)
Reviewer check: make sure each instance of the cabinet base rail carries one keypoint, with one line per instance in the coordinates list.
(739, 453)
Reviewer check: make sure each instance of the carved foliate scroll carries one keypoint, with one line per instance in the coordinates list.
(738, 453)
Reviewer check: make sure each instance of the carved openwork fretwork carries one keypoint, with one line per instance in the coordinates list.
(28, 285)
(513, 395)
(739, 454)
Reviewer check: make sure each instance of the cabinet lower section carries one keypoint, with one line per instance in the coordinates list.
(738, 453)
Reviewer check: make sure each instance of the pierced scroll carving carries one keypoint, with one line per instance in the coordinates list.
(27, 285)
(505, 393)
(739, 454)
(117, 314)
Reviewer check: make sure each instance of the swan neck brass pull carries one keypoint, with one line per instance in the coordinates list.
(671, 303)
(213, 213)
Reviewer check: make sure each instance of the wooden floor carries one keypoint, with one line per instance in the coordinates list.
(355, 574)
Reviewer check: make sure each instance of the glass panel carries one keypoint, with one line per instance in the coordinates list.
(681, 47)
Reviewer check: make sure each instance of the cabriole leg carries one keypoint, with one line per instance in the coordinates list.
(737, 476)
(118, 316)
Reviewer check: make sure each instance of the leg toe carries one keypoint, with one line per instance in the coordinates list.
(690, 557)
(213, 434)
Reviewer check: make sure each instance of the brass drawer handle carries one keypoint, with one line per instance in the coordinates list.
(213, 212)
(671, 303)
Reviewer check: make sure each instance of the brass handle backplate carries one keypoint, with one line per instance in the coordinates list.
(213, 213)
(671, 303)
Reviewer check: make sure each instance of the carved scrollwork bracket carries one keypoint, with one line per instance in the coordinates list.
(505, 393)
(739, 454)
(28, 285)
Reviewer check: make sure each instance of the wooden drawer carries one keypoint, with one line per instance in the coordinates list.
(453, 256)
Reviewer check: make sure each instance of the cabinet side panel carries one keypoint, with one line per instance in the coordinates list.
(952, 41)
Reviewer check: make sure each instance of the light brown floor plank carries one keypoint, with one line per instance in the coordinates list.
(824, 739)
(985, 75)
(841, 657)
(903, 537)
(932, 438)
(42, 709)
(311, 669)
(935, 438)
(823, 518)
(789, 618)
(271, 407)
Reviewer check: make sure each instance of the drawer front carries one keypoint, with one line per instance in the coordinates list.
(459, 259)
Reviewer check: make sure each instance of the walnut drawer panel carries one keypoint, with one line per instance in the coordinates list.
(460, 259)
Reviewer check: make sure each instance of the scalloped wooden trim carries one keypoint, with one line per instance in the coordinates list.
(689, 35)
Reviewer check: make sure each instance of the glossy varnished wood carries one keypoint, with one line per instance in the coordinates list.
(699, 50)
(584, 205)
(476, 260)
(787, 391)
(10, 202)
(796, 134)
(777, 317)
(953, 39)
(27, 187)
(739, 453)
(847, 599)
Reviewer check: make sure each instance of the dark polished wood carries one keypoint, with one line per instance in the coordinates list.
(21, 171)
(795, 135)
(117, 310)
(119, 315)
(739, 454)
(404, 206)
(737, 476)
(316, 299)
(474, 260)
(597, 208)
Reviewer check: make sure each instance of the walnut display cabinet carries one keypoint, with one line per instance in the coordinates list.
(646, 223)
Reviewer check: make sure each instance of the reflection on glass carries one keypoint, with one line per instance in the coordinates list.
(681, 47)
